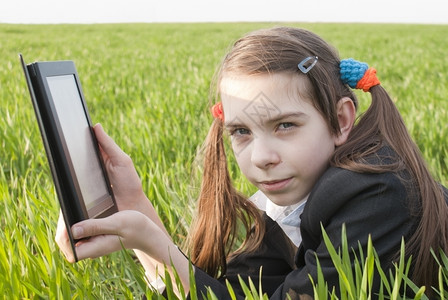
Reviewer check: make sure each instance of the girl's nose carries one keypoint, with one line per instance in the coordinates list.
(264, 153)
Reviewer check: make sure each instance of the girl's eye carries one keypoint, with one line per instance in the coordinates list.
(285, 126)
(239, 132)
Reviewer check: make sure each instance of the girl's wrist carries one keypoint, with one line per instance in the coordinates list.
(143, 205)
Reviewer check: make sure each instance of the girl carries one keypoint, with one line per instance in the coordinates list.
(287, 105)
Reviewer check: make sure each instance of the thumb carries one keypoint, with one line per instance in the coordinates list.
(93, 227)
(108, 145)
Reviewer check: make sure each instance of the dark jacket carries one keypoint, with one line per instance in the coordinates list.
(276, 255)
(368, 204)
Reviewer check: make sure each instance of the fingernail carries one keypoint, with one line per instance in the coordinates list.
(77, 232)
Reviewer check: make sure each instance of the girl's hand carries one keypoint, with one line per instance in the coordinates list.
(129, 229)
(132, 230)
(125, 181)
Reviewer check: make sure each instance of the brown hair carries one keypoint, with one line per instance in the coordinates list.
(279, 50)
(221, 209)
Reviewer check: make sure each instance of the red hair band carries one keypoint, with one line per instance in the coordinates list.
(217, 111)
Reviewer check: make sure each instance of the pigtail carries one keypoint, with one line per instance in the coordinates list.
(383, 125)
(219, 209)
(432, 231)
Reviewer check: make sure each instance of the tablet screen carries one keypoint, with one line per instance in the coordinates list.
(79, 143)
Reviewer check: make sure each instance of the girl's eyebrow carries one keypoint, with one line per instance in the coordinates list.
(261, 119)
(280, 117)
(229, 126)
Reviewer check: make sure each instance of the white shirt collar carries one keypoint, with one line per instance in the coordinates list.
(287, 217)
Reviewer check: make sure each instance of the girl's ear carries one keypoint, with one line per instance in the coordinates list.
(346, 116)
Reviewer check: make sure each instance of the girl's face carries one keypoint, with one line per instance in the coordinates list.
(281, 142)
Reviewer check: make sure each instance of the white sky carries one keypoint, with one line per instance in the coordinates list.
(119, 11)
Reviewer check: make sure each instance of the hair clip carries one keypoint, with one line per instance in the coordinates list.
(302, 67)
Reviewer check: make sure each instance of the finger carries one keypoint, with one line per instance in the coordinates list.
(61, 230)
(107, 144)
(98, 246)
(62, 239)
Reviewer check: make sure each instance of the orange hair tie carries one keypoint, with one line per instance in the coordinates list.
(217, 111)
(368, 80)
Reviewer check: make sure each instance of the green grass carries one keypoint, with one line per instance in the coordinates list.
(148, 85)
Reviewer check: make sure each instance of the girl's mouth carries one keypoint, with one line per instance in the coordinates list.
(275, 185)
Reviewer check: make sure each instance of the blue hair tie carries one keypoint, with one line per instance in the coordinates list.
(352, 71)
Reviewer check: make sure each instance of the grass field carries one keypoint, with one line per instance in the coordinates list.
(148, 85)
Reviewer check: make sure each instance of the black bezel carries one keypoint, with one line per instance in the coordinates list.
(63, 173)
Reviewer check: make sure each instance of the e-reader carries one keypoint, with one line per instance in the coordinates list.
(82, 186)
